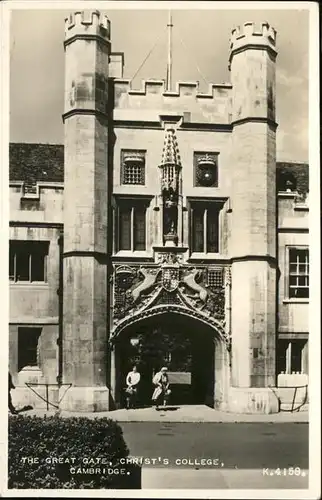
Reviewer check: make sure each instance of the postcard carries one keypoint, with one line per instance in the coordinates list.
(160, 228)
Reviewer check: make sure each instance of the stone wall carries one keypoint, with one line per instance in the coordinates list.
(293, 230)
(37, 302)
(211, 107)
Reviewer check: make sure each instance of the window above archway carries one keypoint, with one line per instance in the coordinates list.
(133, 167)
(206, 169)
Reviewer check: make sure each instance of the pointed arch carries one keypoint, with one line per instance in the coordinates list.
(213, 324)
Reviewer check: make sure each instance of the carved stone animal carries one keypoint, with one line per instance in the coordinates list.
(145, 285)
(190, 281)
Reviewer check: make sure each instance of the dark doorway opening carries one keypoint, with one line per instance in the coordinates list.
(184, 345)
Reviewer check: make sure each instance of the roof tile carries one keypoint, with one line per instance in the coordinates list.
(32, 163)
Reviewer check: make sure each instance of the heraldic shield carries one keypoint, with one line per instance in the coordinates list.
(170, 278)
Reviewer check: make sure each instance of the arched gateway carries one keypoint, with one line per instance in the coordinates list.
(195, 348)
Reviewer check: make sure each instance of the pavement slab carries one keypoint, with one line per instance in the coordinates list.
(242, 446)
(193, 413)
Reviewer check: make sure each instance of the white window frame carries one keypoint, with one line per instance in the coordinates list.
(288, 274)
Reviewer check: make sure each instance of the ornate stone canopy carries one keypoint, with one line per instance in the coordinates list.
(170, 153)
(170, 169)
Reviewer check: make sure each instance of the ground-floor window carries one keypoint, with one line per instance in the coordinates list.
(292, 356)
(28, 352)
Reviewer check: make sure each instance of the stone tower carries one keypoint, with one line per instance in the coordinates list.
(85, 315)
(253, 238)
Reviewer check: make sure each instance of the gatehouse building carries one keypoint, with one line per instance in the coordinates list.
(162, 232)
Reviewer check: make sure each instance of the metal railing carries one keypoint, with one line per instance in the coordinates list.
(30, 386)
(293, 408)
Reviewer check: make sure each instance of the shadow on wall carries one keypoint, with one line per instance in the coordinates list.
(25, 408)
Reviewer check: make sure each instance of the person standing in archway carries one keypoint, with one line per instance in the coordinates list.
(161, 391)
(132, 381)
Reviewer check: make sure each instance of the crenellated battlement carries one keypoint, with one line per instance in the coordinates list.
(153, 98)
(250, 30)
(89, 23)
(182, 89)
(250, 35)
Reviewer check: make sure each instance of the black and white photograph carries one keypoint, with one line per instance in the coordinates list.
(160, 225)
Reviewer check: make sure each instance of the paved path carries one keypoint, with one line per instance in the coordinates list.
(245, 455)
(249, 451)
(196, 413)
(236, 446)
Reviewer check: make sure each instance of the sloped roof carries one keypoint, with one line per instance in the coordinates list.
(36, 162)
(298, 173)
(31, 162)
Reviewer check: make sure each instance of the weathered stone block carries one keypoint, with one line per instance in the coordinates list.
(252, 400)
(85, 399)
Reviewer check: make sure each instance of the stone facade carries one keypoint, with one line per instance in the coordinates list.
(170, 206)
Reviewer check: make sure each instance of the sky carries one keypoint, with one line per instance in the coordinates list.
(200, 51)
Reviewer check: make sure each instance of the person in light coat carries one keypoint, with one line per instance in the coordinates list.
(161, 391)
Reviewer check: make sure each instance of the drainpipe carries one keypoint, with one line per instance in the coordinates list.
(60, 311)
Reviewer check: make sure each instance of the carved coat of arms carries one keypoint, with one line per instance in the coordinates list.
(199, 289)
(170, 278)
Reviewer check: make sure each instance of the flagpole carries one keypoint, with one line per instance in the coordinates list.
(169, 63)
